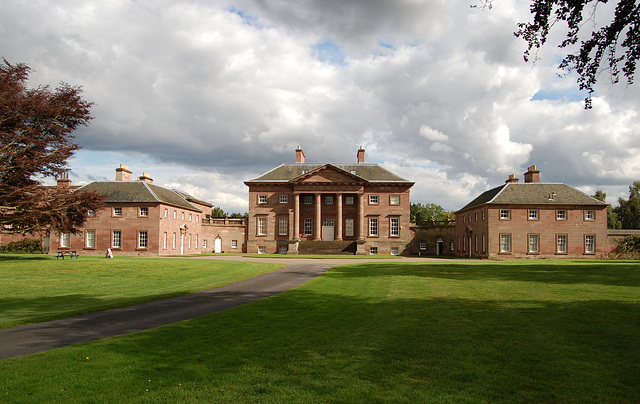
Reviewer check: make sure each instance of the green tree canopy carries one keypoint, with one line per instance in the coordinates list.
(217, 211)
(629, 211)
(612, 218)
(429, 212)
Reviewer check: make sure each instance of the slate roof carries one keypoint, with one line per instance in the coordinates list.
(138, 192)
(366, 171)
(534, 193)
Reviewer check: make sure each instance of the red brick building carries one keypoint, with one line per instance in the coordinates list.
(140, 218)
(534, 220)
(299, 207)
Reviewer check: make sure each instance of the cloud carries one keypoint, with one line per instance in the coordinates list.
(207, 94)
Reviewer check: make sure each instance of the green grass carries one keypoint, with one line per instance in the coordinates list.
(454, 331)
(35, 288)
(324, 256)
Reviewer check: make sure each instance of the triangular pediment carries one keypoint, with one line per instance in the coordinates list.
(329, 174)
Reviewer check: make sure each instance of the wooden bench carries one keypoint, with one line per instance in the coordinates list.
(69, 253)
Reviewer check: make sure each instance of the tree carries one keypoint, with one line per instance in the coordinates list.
(612, 218)
(629, 211)
(430, 212)
(217, 211)
(614, 47)
(36, 141)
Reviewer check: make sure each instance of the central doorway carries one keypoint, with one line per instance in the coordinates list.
(327, 230)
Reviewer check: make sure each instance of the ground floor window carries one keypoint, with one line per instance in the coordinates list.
(589, 244)
(395, 250)
(373, 226)
(373, 250)
(534, 243)
(505, 243)
(561, 241)
(143, 239)
(308, 227)
(283, 225)
(262, 249)
(116, 239)
(64, 240)
(423, 245)
(90, 239)
(394, 227)
(348, 227)
(173, 241)
(164, 240)
(234, 243)
(282, 250)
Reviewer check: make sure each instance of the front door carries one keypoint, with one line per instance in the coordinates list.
(439, 247)
(217, 245)
(327, 230)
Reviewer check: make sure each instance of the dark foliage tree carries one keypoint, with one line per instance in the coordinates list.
(428, 213)
(614, 47)
(629, 211)
(612, 218)
(36, 140)
(217, 211)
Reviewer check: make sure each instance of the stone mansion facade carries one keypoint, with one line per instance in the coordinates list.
(334, 208)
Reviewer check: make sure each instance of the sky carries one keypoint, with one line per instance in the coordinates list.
(204, 95)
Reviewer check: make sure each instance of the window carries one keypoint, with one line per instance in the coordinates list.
(262, 199)
(283, 226)
(204, 243)
(590, 215)
(308, 227)
(91, 213)
(373, 199)
(373, 250)
(182, 216)
(116, 239)
(561, 242)
(197, 218)
(143, 239)
(196, 240)
(505, 243)
(423, 245)
(484, 243)
(534, 243)
(561, 215)
(589, 244)
(189, 241)
(234, 243)
(349, 200)
(284, 198)
(475, 216)
(373, 226)
(262, 249)
(453, 245)
(394, 227)
(394, 250)
(308, 200)
(328, 200)
(394, 199)
(173, 241)
(190, 216)
(164, 240)
(90, 239)
(533, 214)
(144, 211)
(64, 240)
(348, 227)
(175, 214)
(282, 250)
(166, 213)
(117, 211)
(262, 226)
(483, 215)
(505, 214)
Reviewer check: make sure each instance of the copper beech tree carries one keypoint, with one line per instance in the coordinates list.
(36, 141)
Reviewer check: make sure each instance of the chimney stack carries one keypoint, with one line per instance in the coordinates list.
(123, 173)
(64, 181)
(361, 155)
(299, 155)
(145, 177)
(532, 175)
(512, 179)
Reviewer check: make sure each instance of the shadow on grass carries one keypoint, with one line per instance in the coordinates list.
(25, 257)
(605, 273)
(311, 347)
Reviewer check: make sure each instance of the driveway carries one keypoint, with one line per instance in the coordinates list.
(40, 337)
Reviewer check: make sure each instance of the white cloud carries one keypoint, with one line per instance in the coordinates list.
(208, 94)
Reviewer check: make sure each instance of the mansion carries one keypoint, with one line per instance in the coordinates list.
(339, 208)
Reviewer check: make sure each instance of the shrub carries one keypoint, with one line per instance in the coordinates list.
(24, 246)
(629, 248)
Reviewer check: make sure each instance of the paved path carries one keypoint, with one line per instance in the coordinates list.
(40, 337)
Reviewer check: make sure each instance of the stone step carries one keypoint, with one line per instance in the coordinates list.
(327, 247)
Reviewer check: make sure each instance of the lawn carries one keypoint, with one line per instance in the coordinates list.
(455, 331)
(36, 288)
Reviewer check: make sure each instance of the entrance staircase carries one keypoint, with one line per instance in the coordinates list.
(327, 247)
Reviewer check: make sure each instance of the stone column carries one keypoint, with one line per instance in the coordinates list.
(296, 217)
(339, 217)
(317, 234)
(361, 224)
